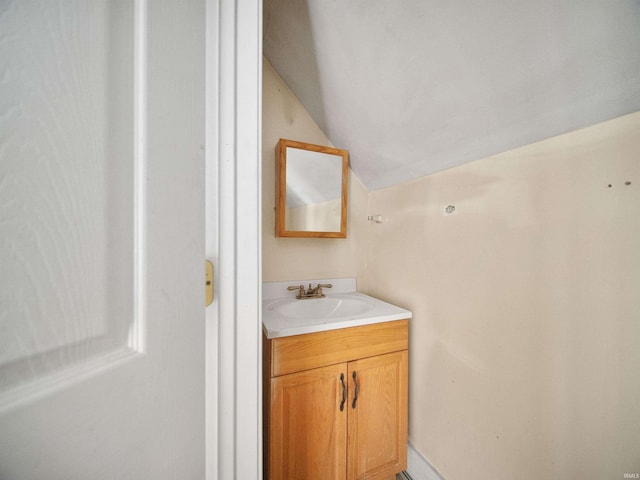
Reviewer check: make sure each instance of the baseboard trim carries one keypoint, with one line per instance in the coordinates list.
(418, 467)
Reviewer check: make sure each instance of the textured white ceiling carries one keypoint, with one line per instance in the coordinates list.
(413, 87)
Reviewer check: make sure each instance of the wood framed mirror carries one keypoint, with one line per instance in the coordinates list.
(311, 190)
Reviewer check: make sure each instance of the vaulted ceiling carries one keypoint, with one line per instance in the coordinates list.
(413, 87)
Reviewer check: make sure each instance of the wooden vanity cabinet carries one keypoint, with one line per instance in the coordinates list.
(336, 404)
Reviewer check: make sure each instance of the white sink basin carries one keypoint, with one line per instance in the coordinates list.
(338, 306)
(282, 317)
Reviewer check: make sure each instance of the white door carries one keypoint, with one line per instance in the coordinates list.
(102, 338)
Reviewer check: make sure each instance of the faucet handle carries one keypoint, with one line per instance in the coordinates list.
(320, 287)
(296, 287)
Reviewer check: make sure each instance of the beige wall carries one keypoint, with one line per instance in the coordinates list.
(300, 258)
(525, 342)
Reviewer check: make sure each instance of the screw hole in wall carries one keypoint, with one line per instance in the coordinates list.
(627, 183)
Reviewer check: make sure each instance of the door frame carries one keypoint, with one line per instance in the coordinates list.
(234, 238)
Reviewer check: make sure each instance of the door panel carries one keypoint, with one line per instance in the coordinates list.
(378, 420)
(102, 239)
(67, 189)
(307, 427)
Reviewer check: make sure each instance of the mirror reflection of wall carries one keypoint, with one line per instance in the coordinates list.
(311, 190)
(314, 191)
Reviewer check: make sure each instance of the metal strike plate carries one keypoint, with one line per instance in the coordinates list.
(208, 283)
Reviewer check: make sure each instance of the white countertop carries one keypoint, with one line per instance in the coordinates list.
(283, 315)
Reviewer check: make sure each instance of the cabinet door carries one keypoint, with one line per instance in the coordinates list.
(377, 425)
(308, 431)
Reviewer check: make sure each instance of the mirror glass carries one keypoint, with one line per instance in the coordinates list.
(311, 190)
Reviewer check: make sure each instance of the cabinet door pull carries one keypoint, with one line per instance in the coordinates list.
(355, 394)
(344, 392)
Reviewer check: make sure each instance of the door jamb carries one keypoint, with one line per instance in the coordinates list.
(233, 225)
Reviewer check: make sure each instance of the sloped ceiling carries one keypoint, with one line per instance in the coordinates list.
(413, 87)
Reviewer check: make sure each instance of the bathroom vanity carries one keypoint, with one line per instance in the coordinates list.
(335, 387)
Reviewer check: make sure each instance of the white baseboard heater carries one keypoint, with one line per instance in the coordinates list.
(418, 468)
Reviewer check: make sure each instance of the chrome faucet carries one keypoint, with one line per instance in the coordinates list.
(310, 292)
